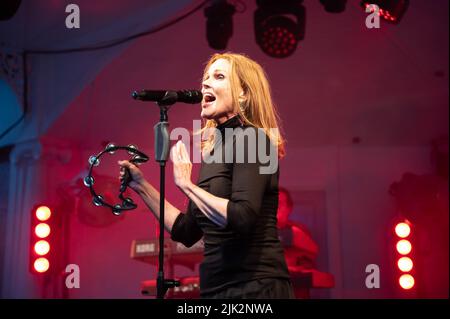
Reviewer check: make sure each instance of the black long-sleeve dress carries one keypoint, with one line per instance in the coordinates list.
(248, 248)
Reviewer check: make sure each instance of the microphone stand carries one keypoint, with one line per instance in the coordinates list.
(162, 143)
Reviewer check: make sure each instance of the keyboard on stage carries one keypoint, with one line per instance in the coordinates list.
(147, 250)
(175, 253)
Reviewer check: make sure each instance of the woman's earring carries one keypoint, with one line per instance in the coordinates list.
(242, 106)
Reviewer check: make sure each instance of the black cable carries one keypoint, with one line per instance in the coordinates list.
(84, 49)
(12, 126)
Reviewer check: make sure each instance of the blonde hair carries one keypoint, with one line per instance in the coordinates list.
(258, 109)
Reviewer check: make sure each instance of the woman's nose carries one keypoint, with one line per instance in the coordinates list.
(205, 84)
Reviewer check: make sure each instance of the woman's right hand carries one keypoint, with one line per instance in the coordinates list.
(137, 177)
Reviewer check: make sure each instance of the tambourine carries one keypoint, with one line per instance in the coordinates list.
(126, 202)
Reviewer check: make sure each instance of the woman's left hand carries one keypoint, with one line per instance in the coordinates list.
(182, 166)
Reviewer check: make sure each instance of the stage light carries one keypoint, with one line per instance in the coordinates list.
(390, 10)
(43, 213)
(42, 247)
(404, 247)
(219, 24)
(402, 230)
(42, 230)
(406, 281)
(279, 26)
(405, 264)
(41, 265)
(334, 6)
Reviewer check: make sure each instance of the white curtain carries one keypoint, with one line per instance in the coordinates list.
(54, 80)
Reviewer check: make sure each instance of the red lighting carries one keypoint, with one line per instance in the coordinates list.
(404, 247)
(402, 230)
(406, 281)
(43, 213)
(42, 230)
(392, 11)
(41, 265)
(405, 264)
(42, 247)
(279, 42)
(279, 28)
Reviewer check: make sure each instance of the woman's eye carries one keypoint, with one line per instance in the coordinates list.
(220, 76)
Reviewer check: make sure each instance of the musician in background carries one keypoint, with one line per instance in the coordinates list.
(234, 205)
(299, 248)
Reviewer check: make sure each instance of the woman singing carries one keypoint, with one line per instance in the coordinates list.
(234, 204)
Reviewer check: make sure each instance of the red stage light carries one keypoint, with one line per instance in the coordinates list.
(405, 264)
(43, 213)
(279, 26)
(402, 230)
(42, 247)
(404, 247)
(41, 265)
(42, 230)
(406, 281)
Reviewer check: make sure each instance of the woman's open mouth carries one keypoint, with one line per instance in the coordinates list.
(208, 99)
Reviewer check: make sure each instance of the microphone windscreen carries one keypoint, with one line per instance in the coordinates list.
(190, 96)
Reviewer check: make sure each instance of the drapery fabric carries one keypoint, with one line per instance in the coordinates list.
(54, 80)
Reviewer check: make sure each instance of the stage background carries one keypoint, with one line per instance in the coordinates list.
(359, 107)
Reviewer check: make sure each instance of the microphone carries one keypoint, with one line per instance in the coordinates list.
(170, 96)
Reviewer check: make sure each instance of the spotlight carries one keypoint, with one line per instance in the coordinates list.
(390, 10)
(404, 247)
(42, 247)
(405, 264)
(219, 24)
(402, 230)
(42, 230)
(43, 213)
(40, 239)
(44, 236)
(334, 6)
(41, 265)
(406, 281)
(279, 26)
